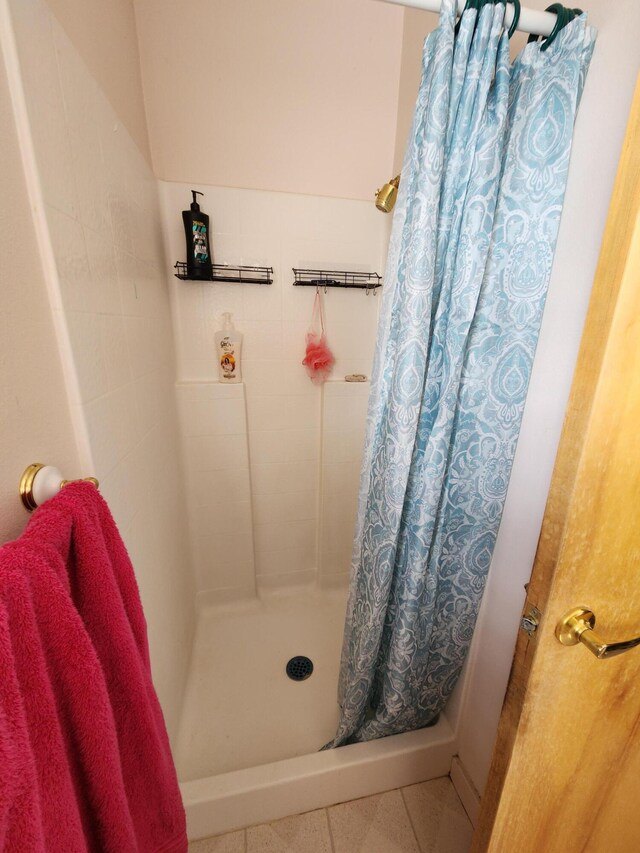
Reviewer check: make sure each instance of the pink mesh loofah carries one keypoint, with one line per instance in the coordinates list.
(319, 359)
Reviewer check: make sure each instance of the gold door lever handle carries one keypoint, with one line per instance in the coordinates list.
(577, 625)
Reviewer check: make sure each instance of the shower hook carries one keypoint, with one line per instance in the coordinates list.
(516, 17)
(564, 16)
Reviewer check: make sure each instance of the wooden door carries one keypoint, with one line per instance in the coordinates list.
(565, 773)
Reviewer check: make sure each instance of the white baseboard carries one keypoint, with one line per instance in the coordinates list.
(465, 789)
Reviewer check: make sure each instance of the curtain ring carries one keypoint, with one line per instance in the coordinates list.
(563, 17)
(516, 17)
(325, 288)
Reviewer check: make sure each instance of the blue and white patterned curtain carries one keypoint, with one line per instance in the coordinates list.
(473, 238)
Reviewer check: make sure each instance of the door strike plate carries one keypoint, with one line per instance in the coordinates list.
(530, 620)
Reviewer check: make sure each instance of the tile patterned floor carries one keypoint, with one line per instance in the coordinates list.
(424, 818)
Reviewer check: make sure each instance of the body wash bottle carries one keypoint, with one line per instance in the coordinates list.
(196, 232)
(228, 350)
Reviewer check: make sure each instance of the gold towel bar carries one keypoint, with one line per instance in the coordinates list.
(40, 482)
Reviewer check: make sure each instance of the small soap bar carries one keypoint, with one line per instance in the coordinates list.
(355, 377)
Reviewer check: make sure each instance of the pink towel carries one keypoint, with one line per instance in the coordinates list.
(81, 716)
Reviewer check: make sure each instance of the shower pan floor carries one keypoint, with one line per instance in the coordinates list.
(241, 709)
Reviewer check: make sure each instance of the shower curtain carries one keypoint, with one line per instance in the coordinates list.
(472, 244)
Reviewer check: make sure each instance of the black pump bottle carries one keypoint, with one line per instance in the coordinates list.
(196, 232)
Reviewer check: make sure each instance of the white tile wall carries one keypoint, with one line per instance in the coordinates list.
(283, 478)
(292, 506)
(102, 211)
(344, 418)
(214, 433)
(283, 408)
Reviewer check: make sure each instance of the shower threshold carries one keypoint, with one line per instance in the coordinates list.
(241, 798)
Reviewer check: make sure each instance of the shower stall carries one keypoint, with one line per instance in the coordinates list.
(271, 472)
(237, 502)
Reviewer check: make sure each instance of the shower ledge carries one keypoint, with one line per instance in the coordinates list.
(240, 798)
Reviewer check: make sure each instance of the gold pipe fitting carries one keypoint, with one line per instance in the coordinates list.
(386, 196)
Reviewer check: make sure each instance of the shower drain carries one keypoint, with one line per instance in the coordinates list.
(299, 668)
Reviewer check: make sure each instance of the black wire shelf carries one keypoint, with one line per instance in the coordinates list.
(369, 281)
(232, 274)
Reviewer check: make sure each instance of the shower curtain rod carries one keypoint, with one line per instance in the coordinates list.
(531, 20)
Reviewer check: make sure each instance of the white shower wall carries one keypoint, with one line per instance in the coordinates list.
(102, 214)
(272, 464)
(343, 424)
